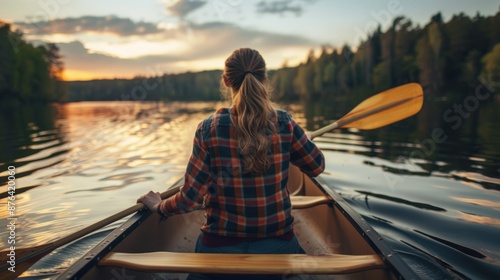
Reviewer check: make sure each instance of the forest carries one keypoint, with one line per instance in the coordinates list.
(190, 86)
(449, 59)
(28, 73)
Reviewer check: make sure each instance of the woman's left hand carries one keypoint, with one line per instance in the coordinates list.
(151, 200)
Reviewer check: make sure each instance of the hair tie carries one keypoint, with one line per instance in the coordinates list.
(246, 72)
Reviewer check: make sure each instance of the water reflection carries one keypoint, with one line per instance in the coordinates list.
(485, 181)
(474, 218)
(480, 202)
(28, 135)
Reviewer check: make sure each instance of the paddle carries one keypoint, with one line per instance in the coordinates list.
(26, 257)
(381, 109)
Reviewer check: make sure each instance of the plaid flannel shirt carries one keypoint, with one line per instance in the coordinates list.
(239, 204)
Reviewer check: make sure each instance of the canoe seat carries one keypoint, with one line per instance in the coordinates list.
(242, 263)
(302, 202)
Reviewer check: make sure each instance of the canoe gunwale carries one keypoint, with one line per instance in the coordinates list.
(96, 254)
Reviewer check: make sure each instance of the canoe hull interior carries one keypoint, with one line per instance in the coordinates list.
(321, 229)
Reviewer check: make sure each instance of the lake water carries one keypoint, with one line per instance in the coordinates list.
(430, 184)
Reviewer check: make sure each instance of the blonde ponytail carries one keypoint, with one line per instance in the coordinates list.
(255, 117)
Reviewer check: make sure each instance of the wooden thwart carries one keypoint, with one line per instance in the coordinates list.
(242, 263)
(302, 202)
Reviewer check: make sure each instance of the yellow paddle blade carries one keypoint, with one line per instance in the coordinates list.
(385, 108)
(382, 109)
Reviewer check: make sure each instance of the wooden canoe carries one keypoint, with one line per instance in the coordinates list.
(337, 241)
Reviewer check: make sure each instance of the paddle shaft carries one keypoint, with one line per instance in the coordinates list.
(36, 253)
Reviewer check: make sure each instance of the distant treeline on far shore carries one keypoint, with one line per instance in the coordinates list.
(449, 59)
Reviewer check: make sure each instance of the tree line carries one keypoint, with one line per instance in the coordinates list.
(446, 58)
(28, 73)
(188, 86)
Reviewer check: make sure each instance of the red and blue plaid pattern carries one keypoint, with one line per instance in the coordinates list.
(237, 203)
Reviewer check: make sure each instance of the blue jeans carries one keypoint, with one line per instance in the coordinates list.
(265, 246)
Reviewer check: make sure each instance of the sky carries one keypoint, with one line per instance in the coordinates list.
(122, 39)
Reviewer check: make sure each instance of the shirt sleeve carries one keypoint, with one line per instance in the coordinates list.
(304, 153)
(196, 180)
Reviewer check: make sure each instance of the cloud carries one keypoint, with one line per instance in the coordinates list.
(205, 46)
(218, 37)
(90, 24)
(83, 64)
(181, 8)
(281, 7)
